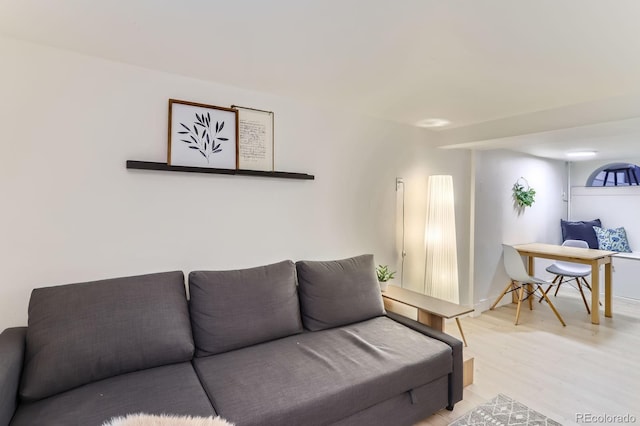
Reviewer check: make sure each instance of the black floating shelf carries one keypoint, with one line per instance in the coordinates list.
(150, 165)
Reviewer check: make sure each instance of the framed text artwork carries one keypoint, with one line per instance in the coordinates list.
(202, 135)
(255, 139)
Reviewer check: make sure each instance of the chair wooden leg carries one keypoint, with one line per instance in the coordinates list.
(559, 284)
(506, 289)
(584, 299)
(540, 299)
(549, 288)
(520, 295)
(553, 308)
(531, 295)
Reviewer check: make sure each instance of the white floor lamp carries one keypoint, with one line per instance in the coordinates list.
(441, 263)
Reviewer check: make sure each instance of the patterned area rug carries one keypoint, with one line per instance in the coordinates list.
(503, 411)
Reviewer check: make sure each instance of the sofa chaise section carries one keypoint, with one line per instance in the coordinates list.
(455, 377)
(321, 377)
(352, 364)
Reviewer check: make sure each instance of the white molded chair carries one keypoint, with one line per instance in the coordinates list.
(569, 271)
(523, 283)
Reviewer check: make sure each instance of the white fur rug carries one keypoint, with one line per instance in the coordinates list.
(163, 420)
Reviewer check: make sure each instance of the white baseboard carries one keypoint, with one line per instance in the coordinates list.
(485, 304)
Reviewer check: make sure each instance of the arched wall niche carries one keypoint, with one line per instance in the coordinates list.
(615, 174)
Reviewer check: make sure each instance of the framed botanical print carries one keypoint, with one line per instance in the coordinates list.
(202, 135)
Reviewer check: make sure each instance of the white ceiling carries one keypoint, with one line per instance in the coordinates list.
(612, 141)
(468, 61)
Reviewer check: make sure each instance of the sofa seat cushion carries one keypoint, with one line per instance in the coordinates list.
(81, 333)
(321, 377)
(172, 389)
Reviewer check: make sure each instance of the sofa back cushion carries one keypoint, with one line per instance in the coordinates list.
(234, 309)
(80, 333)
(338, 292)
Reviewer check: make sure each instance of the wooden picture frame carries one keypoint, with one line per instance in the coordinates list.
(202, 135)
(255, 139)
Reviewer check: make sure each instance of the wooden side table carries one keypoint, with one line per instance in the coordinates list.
(431, 312)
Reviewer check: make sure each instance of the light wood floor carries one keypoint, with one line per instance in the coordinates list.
(557, 371)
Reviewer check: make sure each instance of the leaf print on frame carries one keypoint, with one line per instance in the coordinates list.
(202, 135)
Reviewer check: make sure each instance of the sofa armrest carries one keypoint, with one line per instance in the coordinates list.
(455, 378)
(12, 344)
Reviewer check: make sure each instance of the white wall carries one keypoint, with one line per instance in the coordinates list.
(497, 222)
(614, 206)
(72, 212)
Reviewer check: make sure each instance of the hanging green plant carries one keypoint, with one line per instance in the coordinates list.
(523, 194)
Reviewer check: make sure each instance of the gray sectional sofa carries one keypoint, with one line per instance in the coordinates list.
(284, 344)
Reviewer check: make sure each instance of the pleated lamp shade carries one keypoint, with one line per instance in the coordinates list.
(441, 264)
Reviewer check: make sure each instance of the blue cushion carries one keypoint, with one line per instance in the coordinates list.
(580, 230)
(612, 239)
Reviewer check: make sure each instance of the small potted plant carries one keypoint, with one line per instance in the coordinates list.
(384, 275)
